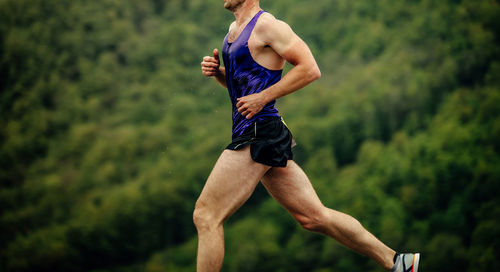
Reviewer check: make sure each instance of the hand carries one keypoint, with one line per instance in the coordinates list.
(210, 65)
(250, 105)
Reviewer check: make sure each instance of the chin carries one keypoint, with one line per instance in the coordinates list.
(232, 5)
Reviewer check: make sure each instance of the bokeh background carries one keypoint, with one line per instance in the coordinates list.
(108, 131)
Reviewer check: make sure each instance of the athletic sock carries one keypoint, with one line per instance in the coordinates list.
(395, 257)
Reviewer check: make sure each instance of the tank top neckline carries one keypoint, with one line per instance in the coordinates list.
(251, 22)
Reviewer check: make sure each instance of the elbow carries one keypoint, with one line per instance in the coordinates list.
(314, 73)
(317, 74)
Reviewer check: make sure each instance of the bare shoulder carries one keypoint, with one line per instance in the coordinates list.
(269, 23)
(269, 28)
(274, 32)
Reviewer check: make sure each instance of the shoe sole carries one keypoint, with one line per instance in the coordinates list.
(416, 261)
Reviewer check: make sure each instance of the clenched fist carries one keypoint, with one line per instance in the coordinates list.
(210, 65)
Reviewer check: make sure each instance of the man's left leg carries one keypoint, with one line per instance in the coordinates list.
(293, 190)
(229, 185)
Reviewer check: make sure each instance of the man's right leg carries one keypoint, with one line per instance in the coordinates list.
(230, 184)
(292, 189)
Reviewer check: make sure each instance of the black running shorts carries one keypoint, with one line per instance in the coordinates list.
(270, 142)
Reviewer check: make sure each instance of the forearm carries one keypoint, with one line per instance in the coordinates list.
(297, 78)
(221, 77)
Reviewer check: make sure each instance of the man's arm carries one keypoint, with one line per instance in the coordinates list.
(280, 37)
(210, 67)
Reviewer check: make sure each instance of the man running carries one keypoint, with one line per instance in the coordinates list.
(254, 53)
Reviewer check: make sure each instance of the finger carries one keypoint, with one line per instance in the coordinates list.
(209, 64)
(240, 103)
(208, 73)
(208, 70)
(216, 54)
(210, 59)
(242, 108)
(248, 114)
(244, 113)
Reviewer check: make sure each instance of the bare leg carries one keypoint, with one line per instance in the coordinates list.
(232, 181)
(293, 190)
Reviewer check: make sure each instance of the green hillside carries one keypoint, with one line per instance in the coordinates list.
(108, 131)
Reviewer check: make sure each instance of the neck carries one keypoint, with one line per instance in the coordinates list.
(246, 11)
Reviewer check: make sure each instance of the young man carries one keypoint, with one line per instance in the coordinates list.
(254, 53)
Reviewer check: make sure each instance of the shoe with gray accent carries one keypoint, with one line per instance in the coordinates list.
(406, 262)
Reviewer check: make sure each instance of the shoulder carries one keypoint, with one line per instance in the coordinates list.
(268, 23)
(269, 28)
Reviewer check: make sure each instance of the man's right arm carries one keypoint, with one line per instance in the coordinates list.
(210, 67)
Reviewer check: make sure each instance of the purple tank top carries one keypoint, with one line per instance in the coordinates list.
(244, 76)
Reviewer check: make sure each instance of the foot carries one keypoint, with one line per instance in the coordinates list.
(406, 262)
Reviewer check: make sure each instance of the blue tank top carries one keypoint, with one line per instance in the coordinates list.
(244, 76)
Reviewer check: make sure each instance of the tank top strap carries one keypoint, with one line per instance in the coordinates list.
(249, 27)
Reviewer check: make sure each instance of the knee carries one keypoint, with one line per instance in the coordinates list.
(202, 218)
(315, 220)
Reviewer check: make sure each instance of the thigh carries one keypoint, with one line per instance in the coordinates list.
(230, 184)
(292, 189)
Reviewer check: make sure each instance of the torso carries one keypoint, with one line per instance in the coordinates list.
(251, 66)
(261, 52)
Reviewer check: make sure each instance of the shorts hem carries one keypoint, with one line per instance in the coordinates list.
(270, 143)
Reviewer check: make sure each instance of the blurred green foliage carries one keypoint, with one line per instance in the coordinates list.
(108, 131)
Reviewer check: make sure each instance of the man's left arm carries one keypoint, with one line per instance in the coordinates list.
(280, 37)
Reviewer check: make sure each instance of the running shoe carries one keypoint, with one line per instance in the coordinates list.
(406, 262)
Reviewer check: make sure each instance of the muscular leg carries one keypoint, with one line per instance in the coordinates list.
(293, 190)
(232, 181)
